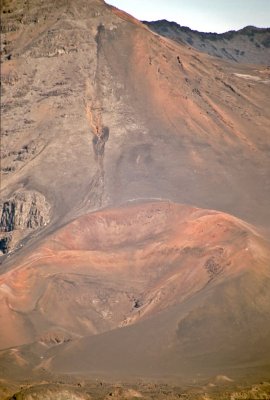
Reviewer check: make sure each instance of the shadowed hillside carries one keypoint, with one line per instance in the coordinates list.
(248, 45)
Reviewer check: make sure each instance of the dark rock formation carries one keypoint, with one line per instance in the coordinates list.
(25, 212)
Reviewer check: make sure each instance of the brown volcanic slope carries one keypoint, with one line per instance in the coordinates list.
(247, 45)
(147, 289)
(98, 111)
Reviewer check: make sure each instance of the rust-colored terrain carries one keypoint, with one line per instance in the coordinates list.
(118, 145)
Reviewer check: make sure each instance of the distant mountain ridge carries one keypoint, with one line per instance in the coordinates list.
(247, 45)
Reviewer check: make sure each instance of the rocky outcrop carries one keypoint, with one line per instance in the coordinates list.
(25, 211)
(5, 244)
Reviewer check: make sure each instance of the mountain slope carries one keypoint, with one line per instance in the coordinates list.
(206, 336)
(98, 110)
(248, 45)
(190, 282)
(107, 130)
